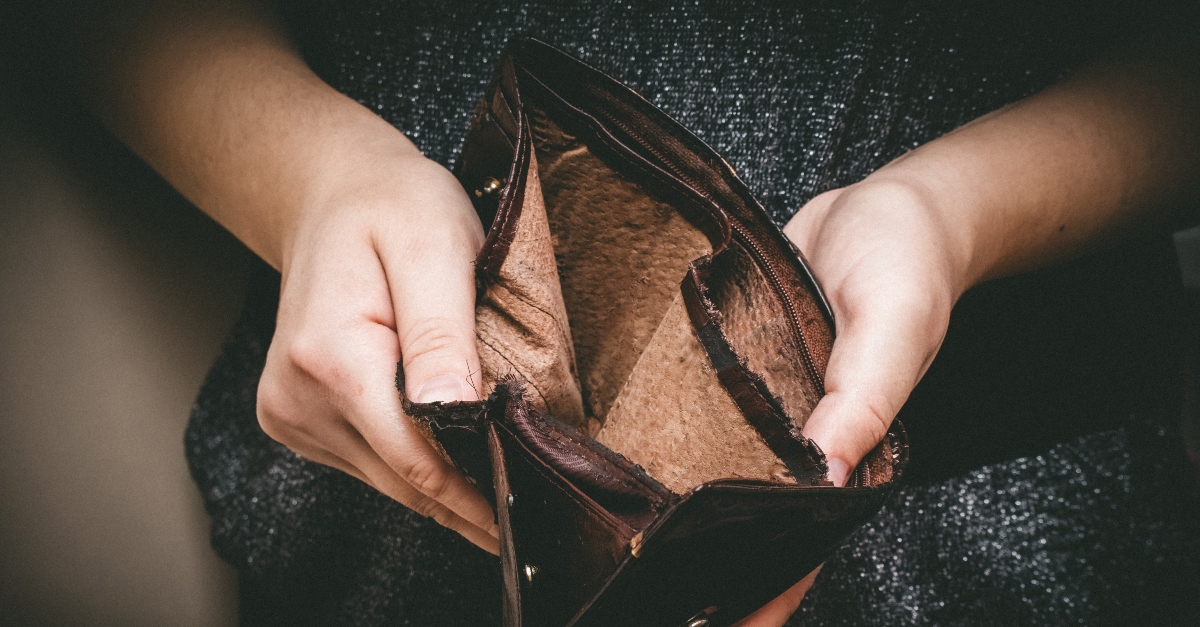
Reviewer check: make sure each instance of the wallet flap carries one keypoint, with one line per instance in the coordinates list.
(730, 547)
(558, 545)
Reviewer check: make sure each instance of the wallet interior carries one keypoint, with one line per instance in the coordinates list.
(587, 309)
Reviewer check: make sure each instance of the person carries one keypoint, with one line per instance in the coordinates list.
(373, 240)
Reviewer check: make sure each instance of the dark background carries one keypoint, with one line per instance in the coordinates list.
(115, 295)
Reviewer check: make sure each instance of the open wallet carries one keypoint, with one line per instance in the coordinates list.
(651, 345)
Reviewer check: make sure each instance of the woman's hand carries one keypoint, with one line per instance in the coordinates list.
(381, 272)
(1114, 149)
(375, 243)
(891, 270)
(886, 262)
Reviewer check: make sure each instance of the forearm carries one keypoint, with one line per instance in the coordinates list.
(1114, 148)
(1109, 151)
(218, 101)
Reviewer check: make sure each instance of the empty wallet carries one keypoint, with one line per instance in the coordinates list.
(651, 346)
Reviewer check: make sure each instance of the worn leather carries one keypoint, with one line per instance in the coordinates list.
(651, 347)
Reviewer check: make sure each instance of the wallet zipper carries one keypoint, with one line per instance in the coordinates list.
(793, 317)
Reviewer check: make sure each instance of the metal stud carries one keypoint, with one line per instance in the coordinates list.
(701, 619)
(491, 187)
(635, 544)
(530, 571)
(510, 500)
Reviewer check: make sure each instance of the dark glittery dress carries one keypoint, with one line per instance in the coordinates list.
(1046, 486)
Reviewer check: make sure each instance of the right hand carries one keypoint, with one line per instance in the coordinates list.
(379, 272)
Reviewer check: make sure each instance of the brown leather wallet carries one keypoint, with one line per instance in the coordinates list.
(651, 346)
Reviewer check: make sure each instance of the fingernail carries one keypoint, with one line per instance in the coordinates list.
(839, 471)
(444, 388)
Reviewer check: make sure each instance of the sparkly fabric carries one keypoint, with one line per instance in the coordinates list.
(1033, 497)
(1097, 531)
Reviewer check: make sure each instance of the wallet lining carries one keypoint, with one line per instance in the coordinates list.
(587, 308)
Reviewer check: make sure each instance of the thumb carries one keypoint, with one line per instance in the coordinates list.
(882, 349)
(432, 283)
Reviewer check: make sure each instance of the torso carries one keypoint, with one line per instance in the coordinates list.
(806, 97)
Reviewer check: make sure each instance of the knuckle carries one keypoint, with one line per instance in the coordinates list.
(280, 415)
(443, 517)
(428, 508)
(272, 409)
(435, 242)
(432, 338)
(426, 240)
(321, 359)
(429, 478)
(878, 422)
(308, 355)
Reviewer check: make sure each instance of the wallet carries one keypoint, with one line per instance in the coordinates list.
(651, 345)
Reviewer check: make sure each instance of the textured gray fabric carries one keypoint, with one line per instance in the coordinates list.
(1097, 531)
(801, 97)
(1093, 532)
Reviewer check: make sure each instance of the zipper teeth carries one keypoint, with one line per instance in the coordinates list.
(789, 305)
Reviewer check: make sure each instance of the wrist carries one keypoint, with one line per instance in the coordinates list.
(889, 206)
(949, 204)
(357, 164)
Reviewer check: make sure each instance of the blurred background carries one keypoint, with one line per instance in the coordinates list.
(115, 295)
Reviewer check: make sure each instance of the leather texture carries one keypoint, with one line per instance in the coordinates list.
(651, 346)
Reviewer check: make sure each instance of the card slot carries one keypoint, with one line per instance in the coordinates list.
(521, 316)
(620, 253)
(751, 317)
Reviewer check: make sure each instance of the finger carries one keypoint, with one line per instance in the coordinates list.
(278, 413)
(388, 483)
(776, 613)
(429, 261)
(381, 474)
(884, 345)
(307, 448)
(391, 484)
(421, 479)
(342, 447)
(375, 416)
(336, 393)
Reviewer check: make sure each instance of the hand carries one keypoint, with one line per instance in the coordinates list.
(890, 268)
(380, 271)
(886, 263)
(375, 243)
